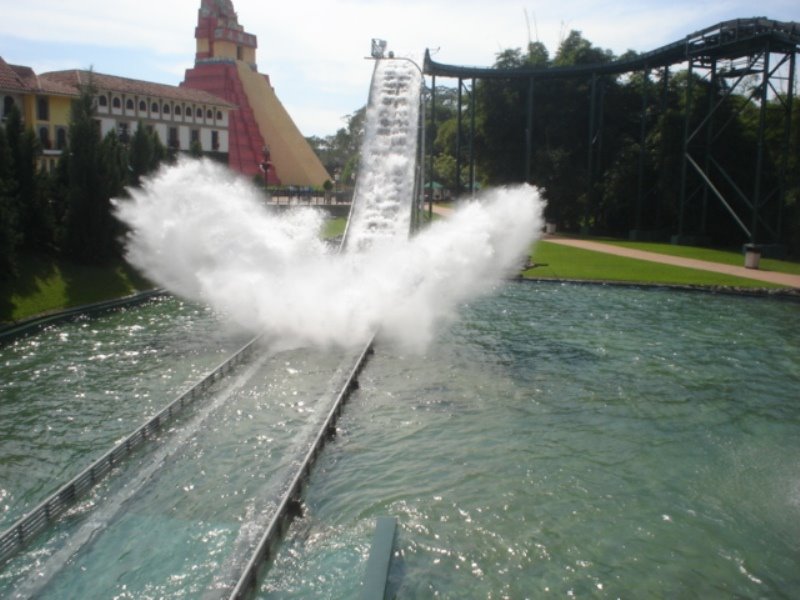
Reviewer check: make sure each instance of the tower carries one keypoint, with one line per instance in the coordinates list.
(225, 65)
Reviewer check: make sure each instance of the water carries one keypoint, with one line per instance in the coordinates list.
(71, 391)
(579, 441)
(186, 518)
(384, 194)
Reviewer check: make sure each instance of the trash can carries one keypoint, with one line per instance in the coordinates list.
(752, 256)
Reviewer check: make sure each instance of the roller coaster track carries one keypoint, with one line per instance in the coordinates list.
(729, 39)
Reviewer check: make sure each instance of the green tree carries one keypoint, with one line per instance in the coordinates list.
(89, 225)
(9, 234)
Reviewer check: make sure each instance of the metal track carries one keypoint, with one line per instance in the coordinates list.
(28, 527)
(289, 506)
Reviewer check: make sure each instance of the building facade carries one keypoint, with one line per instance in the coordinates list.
(224, 104)
(179, 116)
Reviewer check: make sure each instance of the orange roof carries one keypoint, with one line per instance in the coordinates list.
(75, 79)
(10, 79)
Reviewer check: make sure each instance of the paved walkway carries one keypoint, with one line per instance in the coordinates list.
(677, 261)
(690, 263)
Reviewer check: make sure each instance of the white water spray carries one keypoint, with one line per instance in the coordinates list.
(203, 233)
(206, 235)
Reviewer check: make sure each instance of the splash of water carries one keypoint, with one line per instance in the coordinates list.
(205, 234)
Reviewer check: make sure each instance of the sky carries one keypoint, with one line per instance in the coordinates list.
(314, 51)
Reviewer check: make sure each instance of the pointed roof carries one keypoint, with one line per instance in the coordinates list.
(10, 80)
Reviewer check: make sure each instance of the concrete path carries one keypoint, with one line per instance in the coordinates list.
(690, 263)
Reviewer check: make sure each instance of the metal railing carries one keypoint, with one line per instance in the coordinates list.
(28, 527)
(289, 506)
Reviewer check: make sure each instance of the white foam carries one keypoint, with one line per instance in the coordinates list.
(206, 235)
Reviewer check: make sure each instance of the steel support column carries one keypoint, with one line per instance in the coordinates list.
(529, 133)
(433, 143)
(458, 138)
(472, 138)
(762, 120)
(642, 140)
(685, 150)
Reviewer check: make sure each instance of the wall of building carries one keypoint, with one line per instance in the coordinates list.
(292, 156)
(122, 112)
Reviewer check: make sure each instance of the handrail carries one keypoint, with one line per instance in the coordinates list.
(34, 522)
(289, 505)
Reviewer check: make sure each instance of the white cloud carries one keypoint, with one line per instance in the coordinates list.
(314, 50)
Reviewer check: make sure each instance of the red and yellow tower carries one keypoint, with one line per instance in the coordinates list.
(225, 65)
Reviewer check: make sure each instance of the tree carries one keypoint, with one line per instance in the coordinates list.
(90, 236)
(9, 234)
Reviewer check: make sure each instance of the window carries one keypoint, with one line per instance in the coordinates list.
(8, 103)
(43, 108)
(142, 106)
(209, 114)
(102, 101)
(116, 103)
(123, 131)
(129, 104)
(154, 107)
(219, 115)
(215, 140)
(199, 113)
(44, 137)
(166, 109)
(173, 140)
(178, 111)
(239, 53)
(61, 138)
(195, 136)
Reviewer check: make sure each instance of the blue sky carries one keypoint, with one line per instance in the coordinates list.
(314, 50)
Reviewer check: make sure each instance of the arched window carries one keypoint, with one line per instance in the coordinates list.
(219, 115)
(154, 107)
(178, 111)
(199, 113)
(166, 109)
(142, 106)
(209, 114)
(129, 104)
(116, 102)
(102, 100)
(44, 137)
(61, 138)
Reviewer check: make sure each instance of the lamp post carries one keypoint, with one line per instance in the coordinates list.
(266, 164)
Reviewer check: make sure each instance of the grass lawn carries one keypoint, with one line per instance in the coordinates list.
(563, 262)
(728, 257)
(46, 284)
(334, 227)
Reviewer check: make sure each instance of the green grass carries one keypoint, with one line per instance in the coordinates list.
(45, 284)
(563, 262)
(334, 227)
(727, 257)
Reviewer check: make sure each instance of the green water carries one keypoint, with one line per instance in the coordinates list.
(569, 441)
(71, 391)
(555, 439)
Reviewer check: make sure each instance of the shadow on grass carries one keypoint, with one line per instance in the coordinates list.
(87, 284)
(32, 271)
(46, 284)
